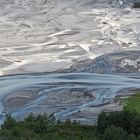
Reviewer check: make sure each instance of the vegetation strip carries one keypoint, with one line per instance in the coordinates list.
(132, 103)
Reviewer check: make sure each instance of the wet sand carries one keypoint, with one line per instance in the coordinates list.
(49, 35)
(78, 96)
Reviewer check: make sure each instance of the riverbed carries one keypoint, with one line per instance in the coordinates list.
(78, 96)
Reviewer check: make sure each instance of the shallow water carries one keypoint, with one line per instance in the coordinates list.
(98, 89)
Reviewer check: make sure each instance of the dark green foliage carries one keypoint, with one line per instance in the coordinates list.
(102, 122)
(9, 122)
(136, 5)
(135, 125)
(111, 126)
(117, 133)
(127, 120)
(43, 127)
(114, 133)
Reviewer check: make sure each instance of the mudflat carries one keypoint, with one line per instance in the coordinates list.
(49, 35)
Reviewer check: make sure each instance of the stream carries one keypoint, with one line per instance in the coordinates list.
(62, 94)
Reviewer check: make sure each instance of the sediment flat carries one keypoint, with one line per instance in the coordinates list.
(44, 36)
(86, 53)
(78, 96)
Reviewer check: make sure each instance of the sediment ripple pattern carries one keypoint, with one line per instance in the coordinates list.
(49, 35)
(66, 95)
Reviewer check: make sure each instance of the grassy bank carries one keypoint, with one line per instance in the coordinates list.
(132, 103)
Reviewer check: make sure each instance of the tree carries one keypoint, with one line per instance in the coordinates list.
(135, 125)
(114, 133)
(102, 121)
(9, 122)
(136, 5)
(131, 137)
